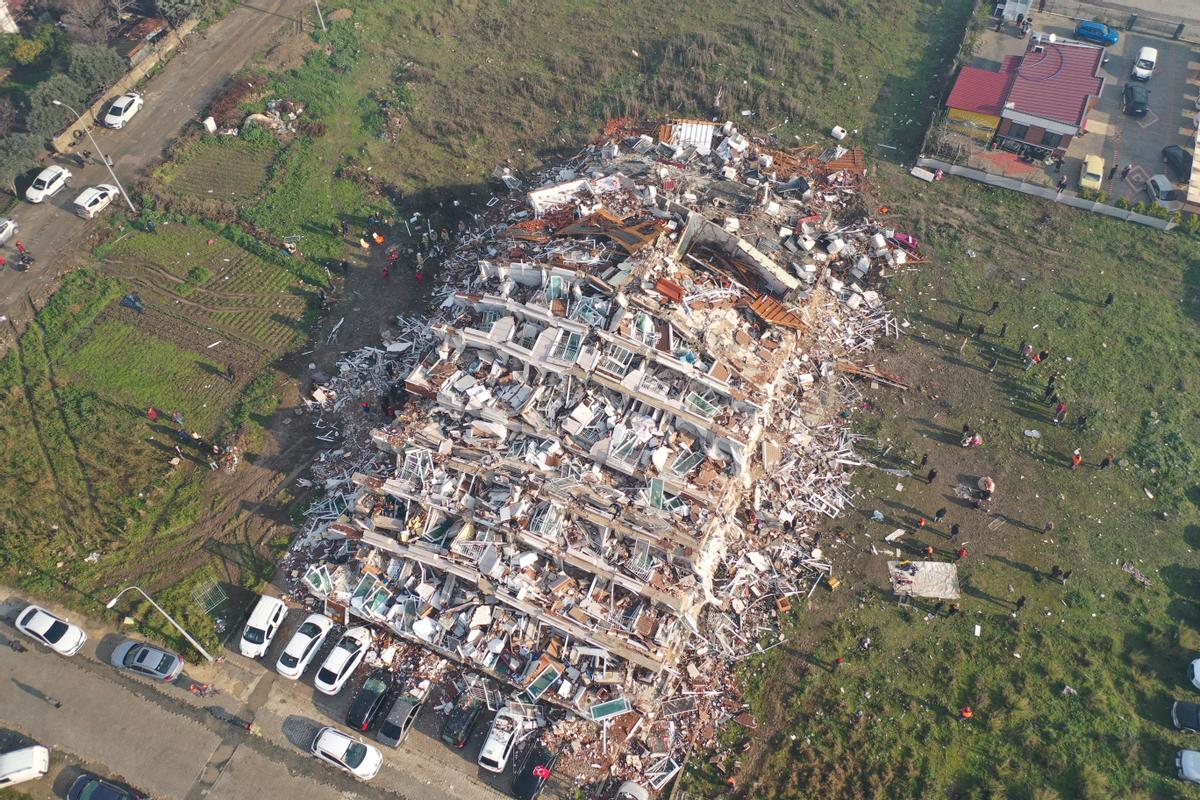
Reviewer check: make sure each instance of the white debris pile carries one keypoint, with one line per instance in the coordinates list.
(596, 477)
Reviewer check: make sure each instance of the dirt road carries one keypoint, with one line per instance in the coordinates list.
(174, 97)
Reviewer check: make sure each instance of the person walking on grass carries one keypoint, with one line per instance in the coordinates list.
(980, 331)
(1106, 462)
(960, 554)
(954, 531)
(1076, 459)
(965, 713)
(1108, 301)
(929, 551)
(958, 325)
(995, 307)
(931, 476)
(1060, 411)
(1020, 604)
(1003, 330)
(939, 515)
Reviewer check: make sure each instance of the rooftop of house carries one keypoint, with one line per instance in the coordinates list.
(1055, 81)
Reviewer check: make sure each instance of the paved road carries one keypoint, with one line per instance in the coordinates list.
(174, 97)
(162, 739)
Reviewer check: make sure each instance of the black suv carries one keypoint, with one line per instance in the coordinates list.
(1136, 100)
(369, 699)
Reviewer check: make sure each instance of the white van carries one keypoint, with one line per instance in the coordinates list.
(262, 626)
(26, 764)
(1143, 65)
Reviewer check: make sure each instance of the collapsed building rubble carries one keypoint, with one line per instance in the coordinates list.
(615, 441)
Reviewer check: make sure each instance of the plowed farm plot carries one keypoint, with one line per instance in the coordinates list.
(196, 279)
(219, 168)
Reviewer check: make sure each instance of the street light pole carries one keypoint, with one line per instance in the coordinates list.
(179, 628)
(320, 16)
(103, 158)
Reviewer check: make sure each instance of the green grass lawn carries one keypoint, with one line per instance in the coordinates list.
(885, 725)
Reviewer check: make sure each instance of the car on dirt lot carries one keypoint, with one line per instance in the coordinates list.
(1135, 101)
(368, 700)
(1178, 161)
(93, 787)
(59, 635)
(8, 228)
(1091, 172)
(348, 754)
(341, 662)
(1194, 673)
(146, 659)
(1091, 31)
(303, 645)
(48, 183)
(94, 199)
(123, 109)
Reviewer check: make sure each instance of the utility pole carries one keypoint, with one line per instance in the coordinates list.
(87, 129)
(321, 17)
(158, 608)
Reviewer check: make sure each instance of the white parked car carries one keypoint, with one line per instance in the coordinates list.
(94, 199)
(59, 635)
(1187, 762)
(303, 645)
(262, 626)
(26, 764)
(123, 109)
(1163, 193)
(341, 662)
(501, 740)
(48, 183)
(8, 228)
(1143, 65)
(1194, 672)
(347, 753)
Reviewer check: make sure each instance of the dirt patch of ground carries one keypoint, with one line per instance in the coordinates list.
(288, 53)
(341, 14)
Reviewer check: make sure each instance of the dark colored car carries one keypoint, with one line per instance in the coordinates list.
(1178, 161)
(1186, 716)
(369, 699)
(92, 787)
(532, 772)
(1136, 100)
(456, 730)
(399, 720)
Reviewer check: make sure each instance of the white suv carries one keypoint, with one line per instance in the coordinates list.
(262, 626)
(94, 199)
(48, 183)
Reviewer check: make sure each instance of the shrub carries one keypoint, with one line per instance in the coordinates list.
(94, 66)
(27, 51)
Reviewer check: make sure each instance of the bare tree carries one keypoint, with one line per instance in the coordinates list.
(88, 21)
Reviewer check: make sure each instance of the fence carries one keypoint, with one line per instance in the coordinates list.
(1046, 193)
(63, 142)
(1125, 17)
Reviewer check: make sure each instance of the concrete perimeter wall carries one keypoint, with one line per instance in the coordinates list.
(64, 141)
(1044, 192)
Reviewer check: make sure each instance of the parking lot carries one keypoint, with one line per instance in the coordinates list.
(162, 739)
(1119, 139)
(1131, 141)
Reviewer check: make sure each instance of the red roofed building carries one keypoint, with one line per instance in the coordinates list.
(1039, 100)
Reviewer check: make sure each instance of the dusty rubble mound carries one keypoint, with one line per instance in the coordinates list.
(621, 430)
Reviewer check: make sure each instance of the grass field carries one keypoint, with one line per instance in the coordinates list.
(885, 724)
(219, 168)
(89, 495)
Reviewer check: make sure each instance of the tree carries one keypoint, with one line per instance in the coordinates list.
(17, 152)
(176, 11)
(94, 66)
(27, 51)
(46, 119)
(88, 20)
(8, 115)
